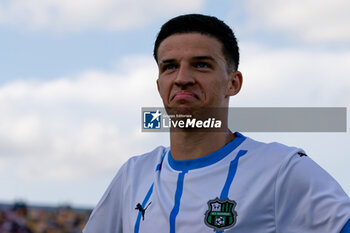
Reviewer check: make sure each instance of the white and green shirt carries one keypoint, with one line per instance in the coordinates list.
(246, 187)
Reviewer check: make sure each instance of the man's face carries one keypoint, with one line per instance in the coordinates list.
(193, 72)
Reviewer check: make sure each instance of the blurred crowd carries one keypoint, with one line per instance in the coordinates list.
(22, 219)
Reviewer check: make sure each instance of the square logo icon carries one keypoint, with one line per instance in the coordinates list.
(152, 119)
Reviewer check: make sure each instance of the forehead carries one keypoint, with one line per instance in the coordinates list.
(184, 45)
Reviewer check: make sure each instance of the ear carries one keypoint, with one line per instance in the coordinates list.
(235, 83)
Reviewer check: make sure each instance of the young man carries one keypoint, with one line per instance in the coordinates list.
(215, 181)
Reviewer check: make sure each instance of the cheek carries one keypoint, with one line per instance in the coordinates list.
(163, 89)
(219, 87)
(217, 91)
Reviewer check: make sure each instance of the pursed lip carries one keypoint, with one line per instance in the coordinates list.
(184, 95)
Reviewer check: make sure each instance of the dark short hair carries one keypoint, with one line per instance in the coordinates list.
(206, 25)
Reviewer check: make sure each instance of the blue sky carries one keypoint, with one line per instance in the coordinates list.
(74, 76)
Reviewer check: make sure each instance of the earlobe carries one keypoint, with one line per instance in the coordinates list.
(235, 83)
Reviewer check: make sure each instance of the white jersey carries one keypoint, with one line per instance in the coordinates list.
(246, 186)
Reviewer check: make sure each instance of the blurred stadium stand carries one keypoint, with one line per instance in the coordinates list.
(22, 218)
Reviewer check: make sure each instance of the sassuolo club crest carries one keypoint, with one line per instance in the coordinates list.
(221, 214)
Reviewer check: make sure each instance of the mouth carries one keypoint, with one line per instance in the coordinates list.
(184, 95)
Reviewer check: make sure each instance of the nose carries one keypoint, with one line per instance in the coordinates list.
(184, 76)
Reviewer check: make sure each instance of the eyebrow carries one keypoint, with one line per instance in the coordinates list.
(196, 58)
(204, 58)
(167, 61)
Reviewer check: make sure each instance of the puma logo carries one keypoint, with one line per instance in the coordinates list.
(143, 210)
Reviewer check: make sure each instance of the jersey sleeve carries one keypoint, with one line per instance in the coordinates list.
(308, 199)
(107, 215)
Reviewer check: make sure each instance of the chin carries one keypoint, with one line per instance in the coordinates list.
(179, 109)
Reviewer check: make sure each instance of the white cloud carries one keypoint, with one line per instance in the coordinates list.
(67, 15)
(309, 20)
(298, 77)
(74, 126)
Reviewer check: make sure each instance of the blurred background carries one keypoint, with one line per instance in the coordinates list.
(75, 74)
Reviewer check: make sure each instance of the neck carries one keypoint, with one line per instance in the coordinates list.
(192, 145)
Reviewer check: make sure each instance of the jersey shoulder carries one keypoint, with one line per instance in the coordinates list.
(147, 161)
(273, 151)
(138, 170)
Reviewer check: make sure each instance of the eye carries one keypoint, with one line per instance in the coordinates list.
(168, 67)
(202, 65)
